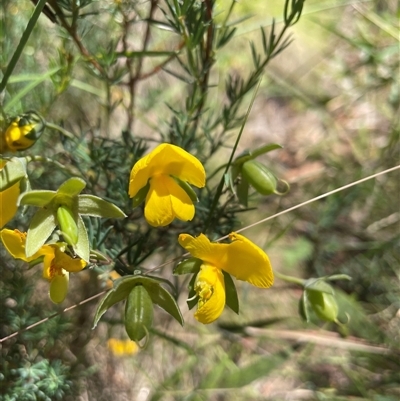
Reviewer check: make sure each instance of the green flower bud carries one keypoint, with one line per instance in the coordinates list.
(68, 224)
(259, 177)
(323, 304)
(138, 313)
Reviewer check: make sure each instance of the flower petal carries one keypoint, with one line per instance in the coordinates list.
(200, 247)
(140, 174)
(165, 201)
(246, 261)
(173, 160)
(14, 242)
(8, 203)
(166, 159)
(210, 287)
(65, 262)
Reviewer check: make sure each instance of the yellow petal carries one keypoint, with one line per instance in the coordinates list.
(166, 159)
(201, 247)
(140, 174)
(14, 242)
(8, 204)
(165, 201)
(59, 286)
(210, 287)
(65, 262)
(246, 261)
(122, 347)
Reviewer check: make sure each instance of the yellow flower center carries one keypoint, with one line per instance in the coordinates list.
(204, 290)
(54, 269)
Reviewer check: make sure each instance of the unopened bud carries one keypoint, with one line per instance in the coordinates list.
(67, 224)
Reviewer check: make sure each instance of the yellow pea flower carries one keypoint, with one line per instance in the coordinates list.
(122, 347)
(241, 258)
(22, 132)
(56, 263)
(161, 171)
(8, 201)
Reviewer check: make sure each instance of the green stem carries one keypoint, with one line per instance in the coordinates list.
(59, 129)
(22, 43)
(221, 184)
(290, 279)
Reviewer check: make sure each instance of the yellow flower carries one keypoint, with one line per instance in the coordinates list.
(22, 132)
(162, 169)
(8, 201)
(241, 258)
(122, 347)
(56, 263)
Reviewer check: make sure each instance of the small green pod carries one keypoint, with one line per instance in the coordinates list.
(323, 304)
(138, 313)
(67, 224)
(259, 177)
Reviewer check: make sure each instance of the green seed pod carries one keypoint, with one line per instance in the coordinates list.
(323, 304)
(67, 224)
(138, 313)
(259, 177)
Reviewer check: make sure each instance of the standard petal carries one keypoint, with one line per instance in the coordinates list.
(174, 160)
(246, 261)
(8, 204)
(140, 174)
(200, 247)
(210, 288)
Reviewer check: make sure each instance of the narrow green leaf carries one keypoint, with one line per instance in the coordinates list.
(247, 374)
(232, 299)
(265, 149)
(146, 53)
(38, 198)
(90, 205)
(82, 247)
(72, 187)
(35, 81)
(164, 299)
(42, 225)
(12, 172)
(188, 266)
